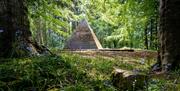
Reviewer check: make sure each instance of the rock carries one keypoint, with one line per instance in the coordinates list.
(128, 80)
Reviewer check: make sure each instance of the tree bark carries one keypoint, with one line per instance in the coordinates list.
(146, 38)
(169, 34)
(151, 33)
(15, 35)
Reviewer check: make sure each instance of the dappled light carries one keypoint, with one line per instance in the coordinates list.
(89, 45)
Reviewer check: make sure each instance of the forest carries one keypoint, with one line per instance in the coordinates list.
(89, 45)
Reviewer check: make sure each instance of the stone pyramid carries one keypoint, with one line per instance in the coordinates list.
(83, 38)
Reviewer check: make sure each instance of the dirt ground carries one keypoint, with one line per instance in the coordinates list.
(117, 52)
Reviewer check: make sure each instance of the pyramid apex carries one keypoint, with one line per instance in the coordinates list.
(83, 22)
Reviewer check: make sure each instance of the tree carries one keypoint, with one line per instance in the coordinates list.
(15, 35)
(169, 34)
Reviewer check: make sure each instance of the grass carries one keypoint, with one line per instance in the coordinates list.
(170, 82)
(69, 72)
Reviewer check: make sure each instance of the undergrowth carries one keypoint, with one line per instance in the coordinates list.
(67, 72)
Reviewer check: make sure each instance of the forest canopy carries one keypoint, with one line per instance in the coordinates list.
(116, 23)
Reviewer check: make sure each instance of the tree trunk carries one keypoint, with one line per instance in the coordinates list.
(151, 33)
(169, 34)
(146, 38)
(45, 33)
(15, 35)
(156, 33)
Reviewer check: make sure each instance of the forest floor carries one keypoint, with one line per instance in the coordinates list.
(88, 70)
(146, 54)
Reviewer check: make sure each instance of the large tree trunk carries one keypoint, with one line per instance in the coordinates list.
(15, 35)
(169, 34)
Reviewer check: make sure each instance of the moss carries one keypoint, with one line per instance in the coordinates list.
(65, 72)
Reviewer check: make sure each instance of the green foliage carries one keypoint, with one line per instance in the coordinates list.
(116, 23)
(69, 72)
(51, 15)
(74, 72)
(127, 21)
